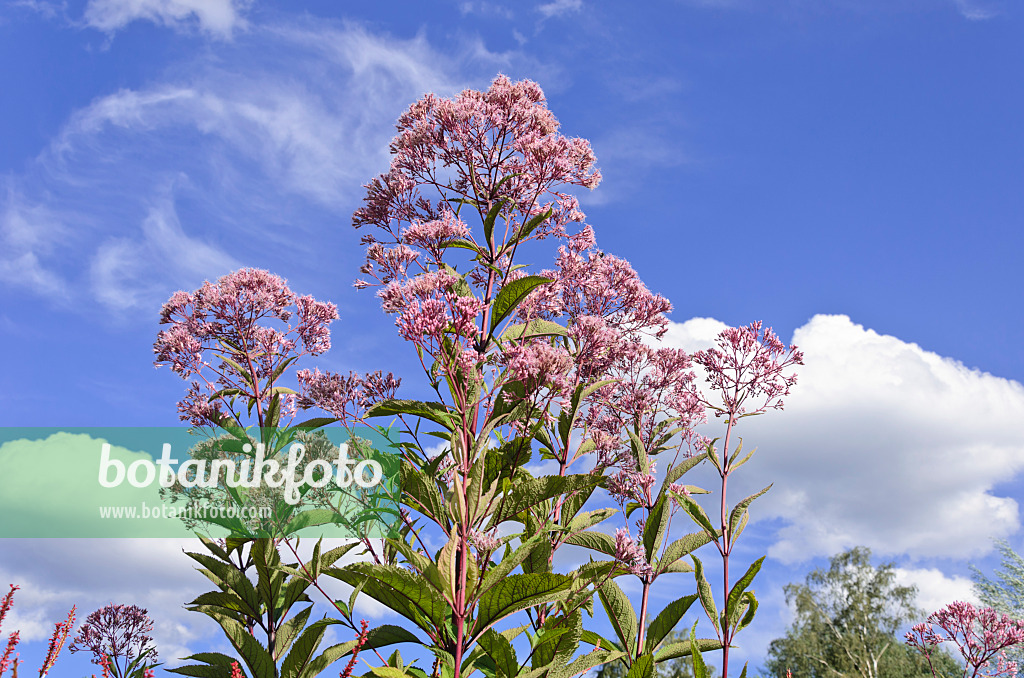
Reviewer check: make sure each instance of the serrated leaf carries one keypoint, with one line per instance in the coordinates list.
(501, 651)
(489, 220)
(741, 585)
(666, 621)
(518, 592)
(435, 412)
(534, 328)
(654, 528)
(511, 295)
(620, 613)
(643, 667)
(684, 649)
(680, 548)
(700, 669)
(738, 510)
(596, 541)
(707, 600)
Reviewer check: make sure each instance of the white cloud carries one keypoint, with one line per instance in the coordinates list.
(28, 231)
(934, 589)
(121, 269)
(560, 8)
(881, 444)
(157, 180)
(219, 17)
(973, 10)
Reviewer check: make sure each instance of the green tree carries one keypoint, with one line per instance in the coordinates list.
(1007, 595)
(846, 623)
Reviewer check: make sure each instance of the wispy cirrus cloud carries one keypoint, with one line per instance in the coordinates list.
(560, 8)
(172, 183)
(216, 17)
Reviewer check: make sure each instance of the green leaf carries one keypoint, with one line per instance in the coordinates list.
(288, 631)
(596, 541)
(501, 651)
(404, 592)
(511, 295)
(534, 328)
(256, 657)
(685, 648)
(532, 224)
(528, 493)
(312, 518)
(666, 621)
(304, 649)
(587, 519)
(748, 616)
(738, 510)
(643, 667)
(732, 460)
(316, 422)
(202, 671)
(733, 601)
(654, 528)
(707, 601)
(227, 576)
(518, 592)
(700, 669)
(318, 664)
(620, 613)
(678, 470)
(696, 512)
(511, 561)
(559, 639)
(435, 412)
(492, 215)
(681, 547)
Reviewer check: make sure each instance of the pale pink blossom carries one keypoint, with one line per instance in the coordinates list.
(748, 364)
(981, 635)
(631, 554)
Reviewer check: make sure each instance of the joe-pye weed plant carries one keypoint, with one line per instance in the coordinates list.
(551, 370)
(553, 364)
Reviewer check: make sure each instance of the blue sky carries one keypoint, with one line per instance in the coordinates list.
(847, 171)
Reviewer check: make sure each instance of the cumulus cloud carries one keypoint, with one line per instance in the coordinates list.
(218, 17)
(934, 589)
(882, 444)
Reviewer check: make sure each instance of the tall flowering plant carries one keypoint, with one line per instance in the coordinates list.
(557, 365)
(748, 371)
(238, 339)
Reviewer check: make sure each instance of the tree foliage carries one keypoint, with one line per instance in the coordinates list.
(846, 623)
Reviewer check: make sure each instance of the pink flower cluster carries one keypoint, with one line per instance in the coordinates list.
(463, 147)
(981, 635)
(631, 554)
(632, 484)
(116, 632)
(748, 364)
(220, 329)
(483, 541)
(346, 398)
